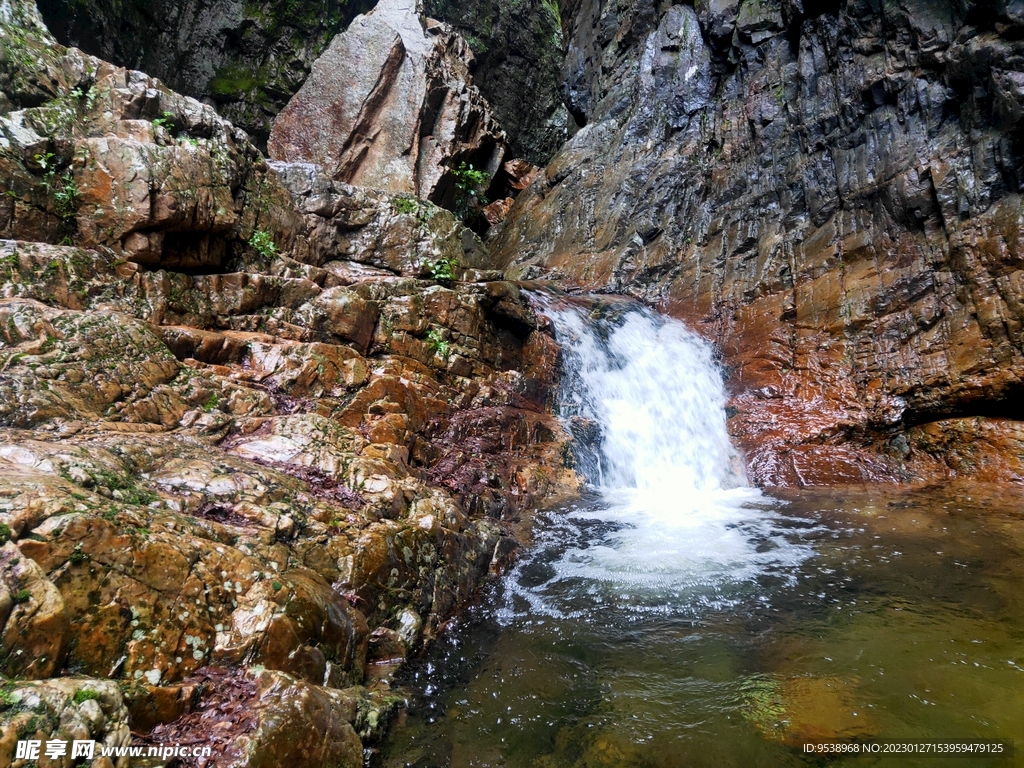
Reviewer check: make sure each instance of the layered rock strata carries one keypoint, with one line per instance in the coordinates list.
(830, 194)
(252, 452)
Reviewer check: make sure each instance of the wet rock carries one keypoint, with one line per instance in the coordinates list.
(37, 630)
(49, 354)
(65, 709)
(221, 453)
(517, 53)
(809, 205)
(110, 157)
(383, 234)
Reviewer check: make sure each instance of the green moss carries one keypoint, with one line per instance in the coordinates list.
(5, 533)
(32, 727)
(212, 403)
(85, 695)
(236, 80)
(140, 497)
(7, 699)
(22, 596)
(405, 204)
(78, 556)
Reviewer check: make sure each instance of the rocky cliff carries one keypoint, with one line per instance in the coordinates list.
(831, 193)
(391, 105)
(249, 58)
(261, 432)
(266, 424)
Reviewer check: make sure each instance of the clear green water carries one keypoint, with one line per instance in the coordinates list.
(901, 617)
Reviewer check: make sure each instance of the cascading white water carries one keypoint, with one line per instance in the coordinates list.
(682, 530)
(654, 389)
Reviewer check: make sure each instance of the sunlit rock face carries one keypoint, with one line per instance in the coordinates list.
(831, 194)
(390, 105)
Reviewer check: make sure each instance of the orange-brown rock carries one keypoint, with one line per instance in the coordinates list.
(228, 459)
(825, 196)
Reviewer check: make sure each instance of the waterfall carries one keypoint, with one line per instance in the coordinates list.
(652, 387)
(672, 524)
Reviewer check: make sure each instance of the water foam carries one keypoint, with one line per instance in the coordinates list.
(681, 529)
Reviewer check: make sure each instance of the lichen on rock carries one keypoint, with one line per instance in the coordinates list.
(244, 424)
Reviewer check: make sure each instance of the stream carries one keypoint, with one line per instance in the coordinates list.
(676, 616)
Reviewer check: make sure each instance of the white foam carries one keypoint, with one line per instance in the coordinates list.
(683, 529)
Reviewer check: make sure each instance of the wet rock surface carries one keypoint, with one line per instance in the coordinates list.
(248, 59)
(250, 447)
(266, 425)
(830, 194)
(245, 58)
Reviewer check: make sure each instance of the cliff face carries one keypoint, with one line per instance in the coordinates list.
(249, 58)
(261, 432)
(246, 58)
(391, 105)
(518, 46)
(830, 192)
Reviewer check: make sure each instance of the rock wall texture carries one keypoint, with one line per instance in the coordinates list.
(831, 193)
(390, 105)
(249, 58)
(261, 432)
(518, 46)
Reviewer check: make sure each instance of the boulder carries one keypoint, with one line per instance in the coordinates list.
(390, 105)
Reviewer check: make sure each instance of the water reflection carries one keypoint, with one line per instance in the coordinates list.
(902, 618)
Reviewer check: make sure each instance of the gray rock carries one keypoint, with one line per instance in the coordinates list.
(390, 106)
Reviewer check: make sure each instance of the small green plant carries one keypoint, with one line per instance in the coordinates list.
(212, 402)
(86, 97)
(438, 343)
(5, 533)
(277, 586)
(63, 189)
(78, 556)
(166, 120)
(469, 187)
(22, 596)
(263, 244)
(7, 700)
(66, 197)
(46, 161)
(443, 270)
(85, 695)
(405, 204)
